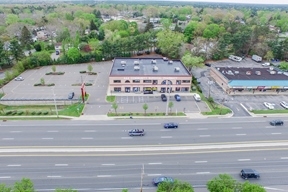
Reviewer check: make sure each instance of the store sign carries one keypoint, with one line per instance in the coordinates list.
(260, 87)
(276, 87)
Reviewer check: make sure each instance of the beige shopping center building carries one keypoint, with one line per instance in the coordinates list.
(149, 74)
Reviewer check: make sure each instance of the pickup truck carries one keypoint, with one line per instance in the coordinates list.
(136, 132)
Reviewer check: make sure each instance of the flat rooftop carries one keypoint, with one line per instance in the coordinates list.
(242, 73)
(148, 67)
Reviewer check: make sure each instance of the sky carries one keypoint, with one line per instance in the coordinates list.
(245, 1)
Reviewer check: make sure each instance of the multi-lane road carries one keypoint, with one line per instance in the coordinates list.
(91, 156)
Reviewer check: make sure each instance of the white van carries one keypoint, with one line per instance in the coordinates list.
(197, 97)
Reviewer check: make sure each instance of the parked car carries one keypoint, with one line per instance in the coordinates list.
(208, 64)
(163, 97)
(197, 97)
(158, 180)
(268, 105)
(57, 52)
(136, 132)
(276, 122)
(284, 104)
(177, 97)
(249, 173)
(19, 78)
(71, 95)
(170, 125)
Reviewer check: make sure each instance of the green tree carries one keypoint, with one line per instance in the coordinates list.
(42, 81)
(4, 55)
(73, 54)
(251, 187)
(145, 107)
(64, 34)
(16, 50)
(283, 66)
(25, 38)
(53, 68)
(93, 26)
(4, 188)
(170, 105)
(124, 190)
(269, 55)
(223, 183)
(192, 61)
(101, 35)
(25, 185)
(115, 107)
(189, 31)
(148, 26)
(90, 68)
(38, 47)
(169, 42)
(176, 186)
(211, 31)
(11, 19)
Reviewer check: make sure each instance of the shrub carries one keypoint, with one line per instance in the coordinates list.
(60, 73)
(45, 113)
(14, 113)
(50, 73)
(8, 112)
(82, 71)
(88, 84)
(37, 84)
(92, 73)
(76, 84)
(39, 113)
(33, 113)
(20, 112)
(51, 84)
(123, 114)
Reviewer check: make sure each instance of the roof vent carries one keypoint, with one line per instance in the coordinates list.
(170, 62)
(248, 72)
(280, 72)
(236, 72)
(285, 73)
(153, 61)
(271, 68)
(218, 68)
(136, 62)
(272, 72)
(136, 68)
(177, 69)
(257, 72)
(165, 58)
(229, 72)
(223, 72)
(120, 69)
(123, 62)
(155, 68)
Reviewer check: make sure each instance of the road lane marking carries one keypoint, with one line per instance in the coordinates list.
(236, 127)
(7, 138)
(15, 131)
(276, 133)
(165, 130)
(103, 175)
(155, 163)
(90, 131)
(60, 165)
(204, 135)
(269, 127)
(126, 137)
(52, 131)
(203, 173)
(54, 176)
(166, 137)
(5, 177)
(284, 157)
(200, 161)
(16, 165)
(107, 164)
(152, 175)
(48, 138)
(87, 138)
(241, 134)
(202, 129)
(244, 159)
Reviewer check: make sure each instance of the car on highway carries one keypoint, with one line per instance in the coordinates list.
(284, 104)
(158, 180)
(276, 122)
(19, 78)
(163, 97)
(268, 105)
(170, 125)
(71, 95)
(249, 173)
(136, 132)
(177, 97)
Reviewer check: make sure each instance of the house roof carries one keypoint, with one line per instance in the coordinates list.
(145, 67)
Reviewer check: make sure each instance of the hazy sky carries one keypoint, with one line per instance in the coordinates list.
(246, 1)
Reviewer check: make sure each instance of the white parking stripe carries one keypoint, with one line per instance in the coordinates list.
(244, 159)
(103, 175)
(284, 157)
(166, 137)
(200, 161)
(5, 177)
(126, 137)
(87, 138)
(202, 172)
(241, 134)
(55, 131)
(204, 135)
(149, 175)
(60, 165)
(155, 163)
(90, 131)
(108, 164)
(54, 176)
(236, 127)
(15, 131)
(7, 138)
(47, 138)
(276, 133)
(16, 165)
(202, 129)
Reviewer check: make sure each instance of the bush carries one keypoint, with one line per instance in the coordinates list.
(14, 113)
(39, 113)
(82, 71)
(60, 73)
(123, 114)
(50, 73)
(33, 113)
(37, 84)
(45, 113)
(77, 84)
(92, 73)
(8, 112)
(88, 84)
(20, 112)
(51, 84)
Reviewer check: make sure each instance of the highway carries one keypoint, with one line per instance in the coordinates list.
(94, 156)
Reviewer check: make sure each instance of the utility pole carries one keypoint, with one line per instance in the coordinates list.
(142, 175)
(168, 98)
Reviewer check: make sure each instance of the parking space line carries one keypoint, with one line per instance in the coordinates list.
(244, 159)
(241, 134)
(276, 133)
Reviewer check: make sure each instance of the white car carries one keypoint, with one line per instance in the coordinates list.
(265, 64)
(268, 105)
(284, 104)
(19, 78)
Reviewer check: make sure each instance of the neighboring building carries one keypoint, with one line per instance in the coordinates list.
(235, 80)
(42, 35)
(149, 74)
(155, 20)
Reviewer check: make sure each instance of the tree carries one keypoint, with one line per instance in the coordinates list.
(176, 186)
(73, 54)
(145, 107)
(25, 185)
(169, 42)
(269, 55)
(222, 183)
(148, 26)
(64, 34)
(42, 81)
(38, 47)
(124, 190)
(101, 35)
(283, 66)
(90, 68)
(4, 188)
(191, 61)
(170, 105)
(248, 187)
(115, 107)
(16, 50)
(93, 26)
(25, 38)
(53, 68)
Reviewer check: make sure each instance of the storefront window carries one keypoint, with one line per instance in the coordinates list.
(136, 89)
(155, 82)
(117, 81)
(117, 89)
(178, 82)
(177, 89)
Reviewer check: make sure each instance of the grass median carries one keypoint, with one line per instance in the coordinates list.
(145, 114)
(276, 111)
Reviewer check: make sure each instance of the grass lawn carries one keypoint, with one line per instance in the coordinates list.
(143, 114)
(111, 99)
(74, 110)
(269, 111)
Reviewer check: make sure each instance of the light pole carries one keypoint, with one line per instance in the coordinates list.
(55, 103)
(168, 98)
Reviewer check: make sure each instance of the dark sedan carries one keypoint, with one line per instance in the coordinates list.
(158, 180)
(276, 123)
(170, 125)
(177, 97)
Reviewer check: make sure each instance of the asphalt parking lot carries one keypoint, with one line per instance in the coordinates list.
(251, 102)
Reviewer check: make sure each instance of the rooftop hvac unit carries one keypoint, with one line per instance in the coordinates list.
(123, 62)
(120, 69)
(136, 62)
(218, 68)
(153, 61)
(177, 69)
(136, 68)
(271, 68)
(272, 72)
(248, 72)
(279, 72)
(170, 62)
(155, 68)
(258, 72)
(230, 72)
(236, 72)
(165, 58)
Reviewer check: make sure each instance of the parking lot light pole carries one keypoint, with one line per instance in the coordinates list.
(55, 103)
(168, 98)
